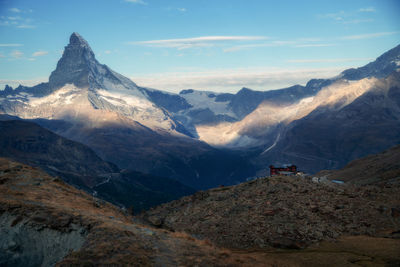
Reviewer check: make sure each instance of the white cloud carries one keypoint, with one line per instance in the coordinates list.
(10, 45)
(16, 10)
(367, 36)
(39, 53)
(249, 46)
(136, 2)
(14, 18)
(330, 60)
(17, 21)
(26, 26)
(232, 80)
(335, 16)
(357, 21)
(314, 45)
(181, 9)
(203, 41)
(303, 42)
(367, 9)
(107, 52)
(348, 17)
(16, 54)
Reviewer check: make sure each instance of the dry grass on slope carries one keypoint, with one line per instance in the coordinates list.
(374, 169)
(281, 212)
(34, 198)
(113, 239)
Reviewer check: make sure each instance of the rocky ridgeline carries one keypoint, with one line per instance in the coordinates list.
(284, 212)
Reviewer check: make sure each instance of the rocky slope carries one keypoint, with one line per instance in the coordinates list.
(78, 165)
(46, 222)
(29, 143)
(383, 66)
(288, 212)
(367, 121)
(374, 169)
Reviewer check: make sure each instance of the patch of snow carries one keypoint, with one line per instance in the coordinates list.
(273, 145)
(306, 100)
(267, 116)
(62, 96)
(201, 100)
(123, 98)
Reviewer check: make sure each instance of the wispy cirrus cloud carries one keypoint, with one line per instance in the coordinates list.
(352, 17)
(327, 60)
(10, 45)
(18, 10)
(15, 10)
(357, 21)
(141, 2)
(337, 16)
(203, 41)
(17, 20)
(39, 53)
(179, 9)
(314, 45)
(368, 35)
(302, 42)
(16, 54)
(25, 26)
(367, 9)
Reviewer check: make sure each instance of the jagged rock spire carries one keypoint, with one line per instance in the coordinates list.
(77, 39)
(74, 65)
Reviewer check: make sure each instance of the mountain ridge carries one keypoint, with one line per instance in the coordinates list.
(78, 165)
(159, 126)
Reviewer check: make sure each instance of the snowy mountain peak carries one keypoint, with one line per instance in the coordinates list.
(74, 65)
(81, 89)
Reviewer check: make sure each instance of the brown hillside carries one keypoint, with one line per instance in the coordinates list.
(373, 169)
(282, 212)
(45, 221)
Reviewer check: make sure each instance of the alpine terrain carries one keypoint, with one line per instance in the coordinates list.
(322, 125)
(89, 103)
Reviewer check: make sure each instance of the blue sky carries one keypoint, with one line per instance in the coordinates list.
(215, 45)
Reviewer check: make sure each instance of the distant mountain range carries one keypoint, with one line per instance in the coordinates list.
(204, 139)
(89, 103)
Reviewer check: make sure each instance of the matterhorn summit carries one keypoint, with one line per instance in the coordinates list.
(81, 90)
(75, 65)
